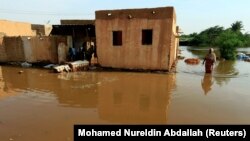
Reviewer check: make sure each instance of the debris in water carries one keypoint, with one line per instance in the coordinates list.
(247, 60)
(181, 57)
(50, 66)
(25, 64)
(79, 65)
(62, 68)
(20, 72)
(192, 61)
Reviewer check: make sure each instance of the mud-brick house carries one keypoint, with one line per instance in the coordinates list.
(137, 38)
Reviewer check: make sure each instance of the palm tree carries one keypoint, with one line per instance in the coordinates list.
(237, 26)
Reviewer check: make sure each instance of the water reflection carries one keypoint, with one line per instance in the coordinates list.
(207, 83)
(137, 98)
(118, 97)
(224, 71)
(68, 88)
(5, 87)
(2, 84)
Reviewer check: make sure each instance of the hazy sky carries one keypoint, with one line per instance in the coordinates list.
(192, 15)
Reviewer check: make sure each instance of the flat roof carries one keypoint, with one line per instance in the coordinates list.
(69, 29)
(148, 13)
(77, 22)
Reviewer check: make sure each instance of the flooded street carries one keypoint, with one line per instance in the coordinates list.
(39, 105)
(220, 98)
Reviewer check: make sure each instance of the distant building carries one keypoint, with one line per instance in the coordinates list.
(137, 38)
(41, 30)
(12, 28)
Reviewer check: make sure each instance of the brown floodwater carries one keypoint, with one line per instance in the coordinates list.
(39, 105)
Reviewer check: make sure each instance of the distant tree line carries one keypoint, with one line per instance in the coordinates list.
(226, 39)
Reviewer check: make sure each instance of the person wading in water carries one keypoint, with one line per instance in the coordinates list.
(209, 60)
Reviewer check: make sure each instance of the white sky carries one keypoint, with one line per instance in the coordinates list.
(192, 15)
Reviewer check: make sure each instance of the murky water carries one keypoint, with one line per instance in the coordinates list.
(220, 98)
(38, 105)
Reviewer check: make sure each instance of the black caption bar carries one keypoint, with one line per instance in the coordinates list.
(208, 132)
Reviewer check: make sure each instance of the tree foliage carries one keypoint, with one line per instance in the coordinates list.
(227, 42)
(237, 26)
(226, 39)
(207, 37)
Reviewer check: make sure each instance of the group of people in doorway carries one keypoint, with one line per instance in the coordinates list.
(81, 53)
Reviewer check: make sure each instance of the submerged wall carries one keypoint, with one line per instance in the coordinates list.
(31, 49)
(42, 49)
(14, 48)
(3, 56)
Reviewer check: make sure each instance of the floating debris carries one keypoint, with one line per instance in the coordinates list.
(20, 72)
(50, 66)
(192, 61)
(79, 65)
(62, 68)
(181, 57)
(247, 60)
(25, 64)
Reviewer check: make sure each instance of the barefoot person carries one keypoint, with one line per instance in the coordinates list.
(209, 60)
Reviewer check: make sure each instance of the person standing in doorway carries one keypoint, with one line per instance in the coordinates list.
(209, 61)
(72, 54)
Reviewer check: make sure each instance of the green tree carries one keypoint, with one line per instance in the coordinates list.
(228, 41)
(213, 37)
(207, 37)
(237, 26)
(246, 37)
